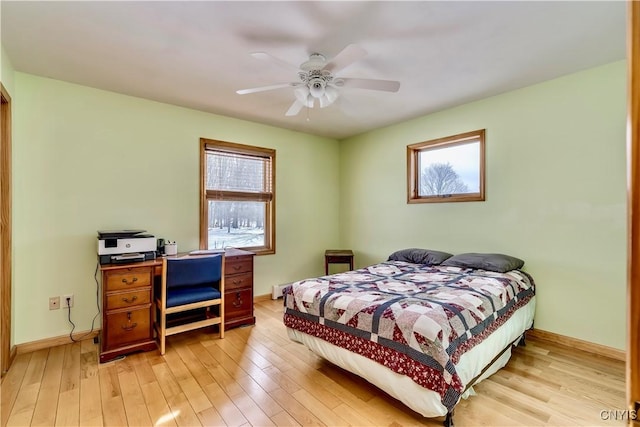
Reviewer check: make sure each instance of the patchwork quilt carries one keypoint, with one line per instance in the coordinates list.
(416, 320)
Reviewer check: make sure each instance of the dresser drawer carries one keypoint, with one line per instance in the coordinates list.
(238, 303)
(238, 281)
(238, 265)
(128, 327)
(128, 299)
(127, 278)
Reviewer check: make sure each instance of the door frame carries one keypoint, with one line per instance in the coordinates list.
(6, 355)
(633, 207)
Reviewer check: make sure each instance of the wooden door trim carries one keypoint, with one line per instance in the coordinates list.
(6, 355)
(633, 151)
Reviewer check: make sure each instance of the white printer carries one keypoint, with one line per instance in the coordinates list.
(122, 246)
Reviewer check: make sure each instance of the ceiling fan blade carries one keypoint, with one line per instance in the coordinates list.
(346, 57)
(265, 88)
(294, 109)
(267, 57)
(373, 84)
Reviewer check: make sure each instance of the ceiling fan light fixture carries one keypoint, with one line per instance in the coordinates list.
(331, 93)
(329, 97)
(324, 102)
(316, 87)
(303, 96)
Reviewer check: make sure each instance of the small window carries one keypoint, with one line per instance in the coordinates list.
(237, 205)
(448, 169)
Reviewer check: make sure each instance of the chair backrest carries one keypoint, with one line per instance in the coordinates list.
(193, 271)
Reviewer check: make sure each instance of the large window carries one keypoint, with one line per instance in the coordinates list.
(448, 169)
(237, 202)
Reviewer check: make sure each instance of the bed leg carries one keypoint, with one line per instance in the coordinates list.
(522, 342)
(448, 420)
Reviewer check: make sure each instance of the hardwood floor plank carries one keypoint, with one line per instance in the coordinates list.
(90, 405)
(177, 402)
(25, 402)
(256, 376)
(284, 419)
(211, 417)
(251, 411)
(113, 411)
(192, 378)
(167, 382)
(353, 417)
(297, 411)
(134, 404)
(224, 405)
(35, 370)
(68, 413)
(10, 386)
(260, 396)
(224, 377)
(22, 411)
(159, 411)
(182, 410)
(281, 380)
(70, 379)
(318, 408)
(47, 404)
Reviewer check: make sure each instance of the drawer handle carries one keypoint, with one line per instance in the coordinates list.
(131, 325)
(238, 302)
(129, 301)
(237, 267)
(126, 282)
(236, 282)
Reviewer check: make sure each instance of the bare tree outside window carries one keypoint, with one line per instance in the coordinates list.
(439, 179)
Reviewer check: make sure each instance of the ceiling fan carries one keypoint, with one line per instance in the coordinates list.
(317, 79)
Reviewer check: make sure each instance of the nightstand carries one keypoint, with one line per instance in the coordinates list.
(337, 256)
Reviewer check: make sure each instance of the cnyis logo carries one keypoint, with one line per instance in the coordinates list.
(619, 415)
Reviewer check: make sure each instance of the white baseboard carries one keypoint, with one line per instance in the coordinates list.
(277, 290)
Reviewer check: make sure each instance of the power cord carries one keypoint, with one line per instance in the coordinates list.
(95, 277)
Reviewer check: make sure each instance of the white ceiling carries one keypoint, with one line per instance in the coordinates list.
(196, 54)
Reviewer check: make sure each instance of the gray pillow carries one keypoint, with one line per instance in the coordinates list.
(419, 256)
(492, 262)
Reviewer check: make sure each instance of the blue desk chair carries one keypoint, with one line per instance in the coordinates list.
(193, 284)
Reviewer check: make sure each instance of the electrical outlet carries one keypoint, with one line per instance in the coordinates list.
(66, 298)
(54, 303)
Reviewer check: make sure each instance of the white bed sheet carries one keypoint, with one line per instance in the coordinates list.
(416, 397)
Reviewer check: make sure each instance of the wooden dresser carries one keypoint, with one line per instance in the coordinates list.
(238, 288)
(127, 309)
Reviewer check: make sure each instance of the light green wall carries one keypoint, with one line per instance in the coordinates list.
(555, 196)
(6, 71)
(87, 160)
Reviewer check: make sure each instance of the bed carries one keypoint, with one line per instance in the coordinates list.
(423, 326)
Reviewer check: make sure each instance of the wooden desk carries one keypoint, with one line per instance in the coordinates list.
(337, 256)
(128, 302)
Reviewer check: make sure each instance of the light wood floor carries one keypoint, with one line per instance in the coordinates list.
(256, 376)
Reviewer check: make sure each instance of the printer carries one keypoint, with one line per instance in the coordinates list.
(123, 246)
